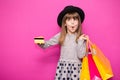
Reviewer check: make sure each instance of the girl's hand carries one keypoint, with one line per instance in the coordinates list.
(84, 37)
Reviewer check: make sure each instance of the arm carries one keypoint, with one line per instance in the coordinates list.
(81, 49)
(53, 41)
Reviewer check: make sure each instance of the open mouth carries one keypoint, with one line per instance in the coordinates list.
(72, 27)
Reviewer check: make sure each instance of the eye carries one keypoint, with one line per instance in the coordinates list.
(75, 18)
(68, 18)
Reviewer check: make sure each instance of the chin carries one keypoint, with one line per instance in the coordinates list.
(72, 31)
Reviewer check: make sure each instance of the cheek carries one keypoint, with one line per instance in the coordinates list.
(76, 27)
(76, 22)
(67, 23)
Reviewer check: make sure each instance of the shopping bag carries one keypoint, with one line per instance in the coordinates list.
(94, 73)
(89, 70)
(102, 62)
(84, 74)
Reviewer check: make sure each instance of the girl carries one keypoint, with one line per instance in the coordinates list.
(72, 41)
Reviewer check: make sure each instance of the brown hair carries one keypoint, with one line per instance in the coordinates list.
(64, 29)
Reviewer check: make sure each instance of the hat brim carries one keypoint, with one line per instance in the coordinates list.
(70, 9)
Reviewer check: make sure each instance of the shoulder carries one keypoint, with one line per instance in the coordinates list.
(57, 34)
(80, 40)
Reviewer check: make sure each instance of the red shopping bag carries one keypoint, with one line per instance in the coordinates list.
(94, 73)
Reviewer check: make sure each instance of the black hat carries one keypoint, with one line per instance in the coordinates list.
(70, 9)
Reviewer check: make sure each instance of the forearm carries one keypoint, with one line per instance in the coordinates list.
(53, 41)
(81, 48)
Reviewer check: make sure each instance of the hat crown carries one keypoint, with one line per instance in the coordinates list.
(68, 7)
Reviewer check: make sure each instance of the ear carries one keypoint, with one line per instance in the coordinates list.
(65, 24)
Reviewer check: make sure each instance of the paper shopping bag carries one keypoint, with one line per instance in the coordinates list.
(102, 63)
(84, 74)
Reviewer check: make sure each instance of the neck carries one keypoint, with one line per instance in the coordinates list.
(71, 32)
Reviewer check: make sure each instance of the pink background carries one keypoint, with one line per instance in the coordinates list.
(22, 20)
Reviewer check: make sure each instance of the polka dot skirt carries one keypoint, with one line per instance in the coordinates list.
(68, 71)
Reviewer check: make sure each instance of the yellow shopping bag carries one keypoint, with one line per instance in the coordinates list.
(101, 62)
(84, 74)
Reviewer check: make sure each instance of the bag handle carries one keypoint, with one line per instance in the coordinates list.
(89, 45)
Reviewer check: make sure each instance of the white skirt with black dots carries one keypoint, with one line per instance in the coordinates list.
(67, 70)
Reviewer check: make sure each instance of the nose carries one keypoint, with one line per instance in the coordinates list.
(72, 21)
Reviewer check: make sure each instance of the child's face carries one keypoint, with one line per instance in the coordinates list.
(72, 24)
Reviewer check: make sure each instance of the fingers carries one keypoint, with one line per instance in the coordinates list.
(84, 36)
(41, 45)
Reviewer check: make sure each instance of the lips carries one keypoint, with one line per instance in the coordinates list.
(72, 27)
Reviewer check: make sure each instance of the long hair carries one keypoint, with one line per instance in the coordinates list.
(64, 27)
